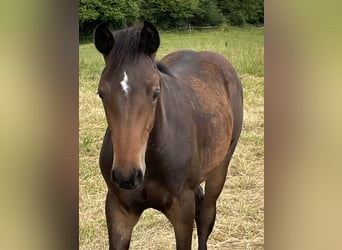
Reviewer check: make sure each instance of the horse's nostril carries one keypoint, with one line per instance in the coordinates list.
(116, 176)
(132, 182)
(138, 174)
(138, 177)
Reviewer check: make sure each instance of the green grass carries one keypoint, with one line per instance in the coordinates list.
(240, 213)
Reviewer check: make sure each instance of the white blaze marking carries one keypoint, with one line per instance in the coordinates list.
(124, 84)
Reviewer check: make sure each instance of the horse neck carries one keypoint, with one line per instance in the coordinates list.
(162, 108)
(167, 104)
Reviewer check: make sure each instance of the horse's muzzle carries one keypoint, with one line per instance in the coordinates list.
(132, 182)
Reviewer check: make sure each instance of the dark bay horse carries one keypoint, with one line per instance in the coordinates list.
(172, 125)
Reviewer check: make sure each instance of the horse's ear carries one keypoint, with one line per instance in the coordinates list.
(103, 38)
(149, 38)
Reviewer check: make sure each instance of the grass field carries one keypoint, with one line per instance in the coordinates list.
(240, 208)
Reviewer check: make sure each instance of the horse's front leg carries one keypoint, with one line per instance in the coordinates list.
(120, 223)
(181, 214)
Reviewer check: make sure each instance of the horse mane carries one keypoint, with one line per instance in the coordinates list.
(163, 68)
(126, 45)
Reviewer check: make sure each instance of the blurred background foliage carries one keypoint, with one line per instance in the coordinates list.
(169, 14)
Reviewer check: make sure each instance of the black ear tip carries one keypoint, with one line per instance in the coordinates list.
(100, 28)
(100, 25)
(103, 38)
(150, 39)
(149, 25)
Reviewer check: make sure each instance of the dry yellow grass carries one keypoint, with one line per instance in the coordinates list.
(240, 208)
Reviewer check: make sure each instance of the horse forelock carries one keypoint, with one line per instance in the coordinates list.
(126, 47)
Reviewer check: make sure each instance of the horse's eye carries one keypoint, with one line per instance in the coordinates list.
(155, 95)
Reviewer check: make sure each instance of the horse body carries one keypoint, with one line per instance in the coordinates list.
(191, 136)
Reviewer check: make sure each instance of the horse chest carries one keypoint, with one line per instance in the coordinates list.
(157, 196)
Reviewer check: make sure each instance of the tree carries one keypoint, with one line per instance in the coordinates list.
(239, 12)
(117, 13)
(88, 12)
(207, 13)
(169, 14)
